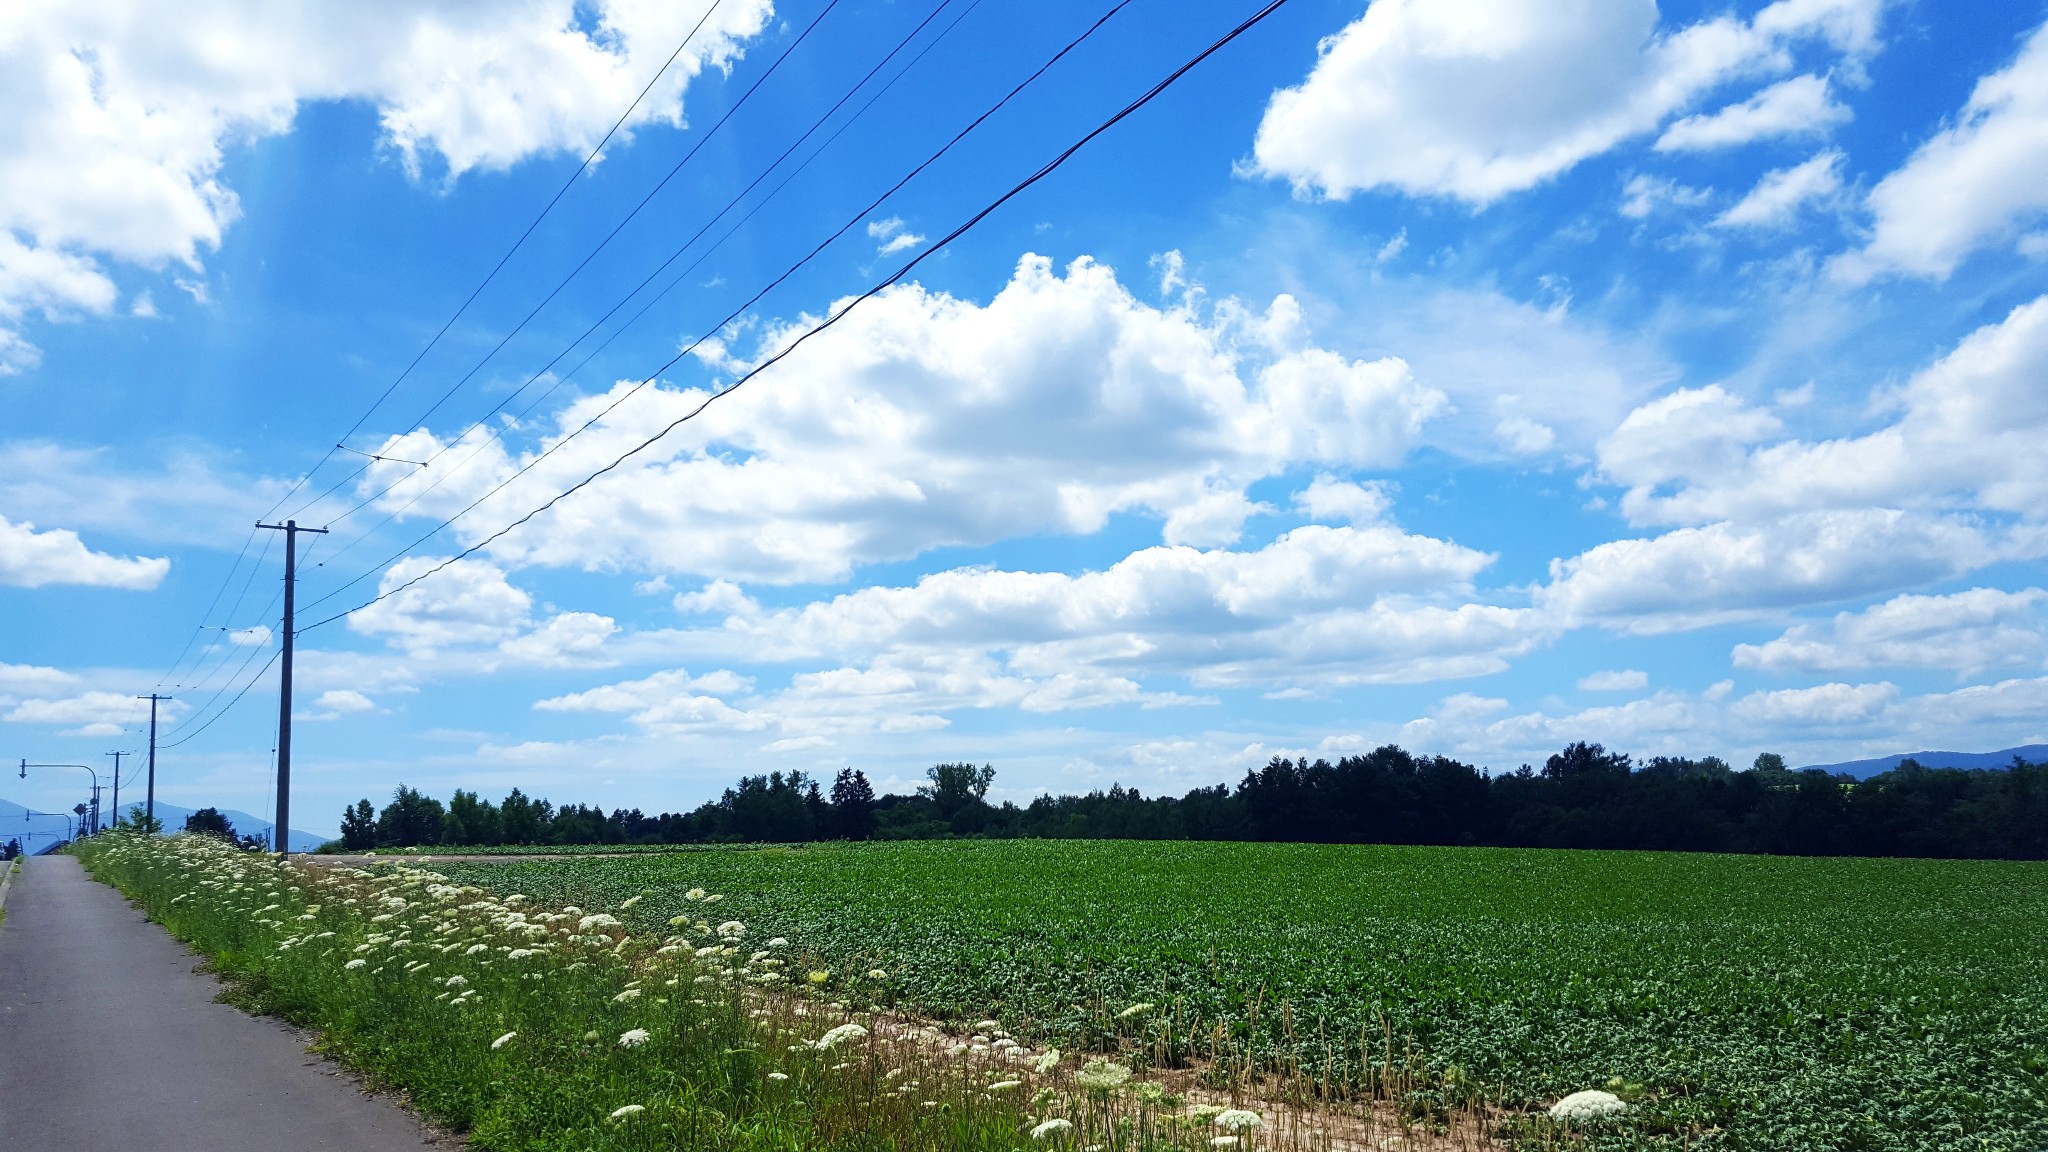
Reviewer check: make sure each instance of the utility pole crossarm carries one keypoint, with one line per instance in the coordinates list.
(149, 804)
(280, 833)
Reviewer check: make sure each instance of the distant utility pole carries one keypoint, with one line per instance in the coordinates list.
(117, 784)
(280, 834)
(150, 804)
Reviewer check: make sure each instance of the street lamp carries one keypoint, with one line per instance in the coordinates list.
(25, 766)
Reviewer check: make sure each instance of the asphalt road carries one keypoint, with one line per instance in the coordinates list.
(109, 1042)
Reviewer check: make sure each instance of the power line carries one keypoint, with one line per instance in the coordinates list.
(506, 258)
(1043, 171)
(851, 221)
(608, 238)
(480, 422)
(517, 244)
(224, 710)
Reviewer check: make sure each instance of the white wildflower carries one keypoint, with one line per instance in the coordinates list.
(633, 1038)
(473, 949)
(1057, 1126)
(732, 930)
(628, 904)
(456, 981)
(596, 921)
(628, 995)
(1138, 1009)
(1047, 1062)
(1005, 1085)
(1238, 1119)
(694, 895)
(501, 1041)
(841, 1035)
(778, 942)
(619, 1114)
(1225, 1141)
(354, 964)
(1592, 1104)
(1102, 1076)
(778, 1077)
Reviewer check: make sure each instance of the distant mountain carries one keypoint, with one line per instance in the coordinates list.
(38, 831)
(1865, 769)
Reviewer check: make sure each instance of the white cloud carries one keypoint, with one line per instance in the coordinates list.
(119, 114)
(1625, 680)
(1693, 577)
(1980, 181)
(82, 708)
(1476, 99)
(32, 559)
(256, 637)
(1824, 705)
(1967, 632)
(1967, 436)
(922, 421)
(893, 236)
(465, 604)
(1781, 193)
(1797, 107)
(336, 703)
(568, 639)
(1341, 501)
(1645, 194)
(31, 678)
(720, 597)
(1321, 604)
(472, 611)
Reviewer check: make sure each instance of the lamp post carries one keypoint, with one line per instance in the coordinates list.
(25, 766)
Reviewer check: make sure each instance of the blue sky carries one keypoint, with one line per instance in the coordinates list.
(1451, 374)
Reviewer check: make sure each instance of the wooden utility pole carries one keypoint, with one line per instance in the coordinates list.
(149, 804)
(281, 833)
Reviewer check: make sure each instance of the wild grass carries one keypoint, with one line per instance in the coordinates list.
(555, 1027)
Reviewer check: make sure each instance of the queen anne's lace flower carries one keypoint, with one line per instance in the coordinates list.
(633, 1038)
(1238, 1119)
(1056, 1126)
(841, 1035)
(1102, 1076)
(354, 964)
(1592, 1104)
(501, 1041)
(619, 1114)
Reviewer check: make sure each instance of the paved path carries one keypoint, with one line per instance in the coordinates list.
(109, 1042)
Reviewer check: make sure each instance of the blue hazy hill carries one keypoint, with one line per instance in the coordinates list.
(1865, 769)
(40, 831)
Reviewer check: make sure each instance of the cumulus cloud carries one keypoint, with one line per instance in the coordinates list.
(336, 703)
(1777, 198)
(1966, 632)
(1624, 680)
(923, 420)
(85, 708)
(32, 559)
(1477, 99)
(1819, 724)
(1693, 577)
(119, 114)
(1800, 106)
(892, 237)
(1976, 183)
(1967, 437)
(469, 606)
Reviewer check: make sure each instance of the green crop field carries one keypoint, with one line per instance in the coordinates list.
(1748, 1002)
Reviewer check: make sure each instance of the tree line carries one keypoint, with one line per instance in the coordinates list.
(1583, 797)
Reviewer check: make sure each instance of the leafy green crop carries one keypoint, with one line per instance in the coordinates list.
(1758, 1002)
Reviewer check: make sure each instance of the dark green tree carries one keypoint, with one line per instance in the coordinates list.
(138, 819)
(209, 822)
(524, 821)
(359, 826)
(410, 819)
(853, 806)
(470, 820)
